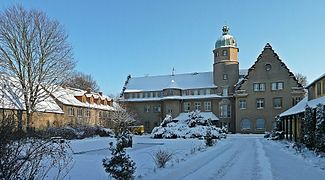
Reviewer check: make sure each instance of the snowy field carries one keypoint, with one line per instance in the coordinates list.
(237, 157)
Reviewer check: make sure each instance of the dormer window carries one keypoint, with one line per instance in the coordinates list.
(91, 100)
(105, 103)
(98, 102)
(83, 99)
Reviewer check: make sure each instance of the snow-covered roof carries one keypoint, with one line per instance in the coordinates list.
(322, 76)
(67, 96)
(11, 97)
(204, 115)
(180, 81)
(300, 107)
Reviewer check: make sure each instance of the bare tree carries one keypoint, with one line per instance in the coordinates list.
(82, 81)
(301, 79)
(35, 53)
(122, 119)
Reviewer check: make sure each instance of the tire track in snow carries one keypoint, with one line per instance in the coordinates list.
(256, 170)
(223, 170)
(263, 162)
(192, 168)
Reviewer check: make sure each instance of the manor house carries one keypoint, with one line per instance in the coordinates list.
(244, 100)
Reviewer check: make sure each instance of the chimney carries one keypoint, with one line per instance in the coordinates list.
(100, 93)
(88, 90)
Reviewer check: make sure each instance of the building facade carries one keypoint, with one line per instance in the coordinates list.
(229, 93)
(65, 106)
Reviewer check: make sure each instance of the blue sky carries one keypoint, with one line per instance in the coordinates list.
(112, 39)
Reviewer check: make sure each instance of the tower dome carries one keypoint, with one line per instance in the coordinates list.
(226, 40)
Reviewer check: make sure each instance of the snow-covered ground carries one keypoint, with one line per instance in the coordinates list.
(237, 157)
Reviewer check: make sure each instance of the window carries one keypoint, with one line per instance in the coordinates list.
(217, 53)
(196, 92)
(260, 124)
(170, 111)
(170, 92)
(91, 100)
(187, 106)
(208, 91)
(98, 102)
(88, 113)
(105, 103)
(99, 114)
(242, 104)
(207, 106)
(157, 108)
(268, 67)
(197, 105)
(225, 111)
(277, 86)
(71, 111)
(151, 94)
(140, 95)
(245, 124)
(224, 52)
(160, 94)
(184, 93)
(259, 86)
(277, 102)
(146, 108)
(260, 103)
(225, 76)
(225, 91)
(84, 99)
(80, 112)
(202, 92)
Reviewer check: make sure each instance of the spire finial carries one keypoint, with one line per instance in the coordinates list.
(173, 72)
(225, 30)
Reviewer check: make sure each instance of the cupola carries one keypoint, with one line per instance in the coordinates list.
(226, 40)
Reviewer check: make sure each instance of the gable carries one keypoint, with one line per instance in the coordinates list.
(269, 66)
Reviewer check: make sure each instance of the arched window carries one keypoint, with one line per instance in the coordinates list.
(260, 124)
(246, 124)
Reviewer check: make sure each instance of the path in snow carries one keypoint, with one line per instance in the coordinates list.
(243, 157)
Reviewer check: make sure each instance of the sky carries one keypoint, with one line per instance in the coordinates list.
(114, 38)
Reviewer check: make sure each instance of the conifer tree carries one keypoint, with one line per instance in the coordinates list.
(308, 128)
(320, 128)
(120, 165)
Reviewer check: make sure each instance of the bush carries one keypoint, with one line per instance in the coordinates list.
(274, 135)
(208, 138)
(162, 157)
(78, 132)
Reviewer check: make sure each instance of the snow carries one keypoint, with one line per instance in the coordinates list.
(67, 97)
(12, 98)
(300, 107)
(207, 96)
(237, 157)
(173, 85)
(204, 115)
(184, 81)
